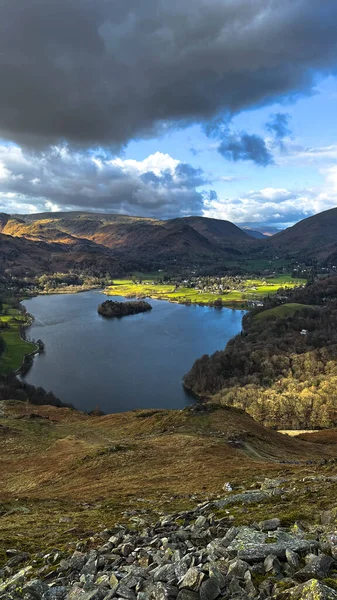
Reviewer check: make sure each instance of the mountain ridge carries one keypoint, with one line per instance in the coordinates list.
(141, 243)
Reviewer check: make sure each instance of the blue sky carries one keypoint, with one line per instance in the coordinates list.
(221, 108)
(300, 166)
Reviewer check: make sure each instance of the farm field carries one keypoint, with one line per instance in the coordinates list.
(248, 290)
(16, 348)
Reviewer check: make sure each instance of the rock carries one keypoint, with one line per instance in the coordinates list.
(192, 579)
(201, 521)
(17, 559)
(77, 561)
(187, 595)
(165, 573)
(244, 498)
(209, 589)
(272, 564)
(113, 581)
(15, 579)
(269, 525)
(317, 568)
(56, 593)
(36, 588)
(327, 517)
(215, 572)
(269, 484)
(237, 568)
(311, 590)
(292, 558)
(253, 546)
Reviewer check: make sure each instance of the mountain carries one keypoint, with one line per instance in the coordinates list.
(223, 233)
(25, 257)
(265, 230)
(314, 237)
(120, 243)
(254, 233)
(137, 242)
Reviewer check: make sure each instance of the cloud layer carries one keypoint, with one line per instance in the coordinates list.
(58, 179)
(278, 206)
(102, 72)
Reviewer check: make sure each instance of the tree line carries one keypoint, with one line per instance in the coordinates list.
(280, 369)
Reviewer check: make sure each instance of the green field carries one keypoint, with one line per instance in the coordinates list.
(16, 348)
(251, 289)
(282, 312)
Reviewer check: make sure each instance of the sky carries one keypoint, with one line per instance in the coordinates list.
(220, 108)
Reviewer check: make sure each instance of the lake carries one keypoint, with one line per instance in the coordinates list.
(122, 364)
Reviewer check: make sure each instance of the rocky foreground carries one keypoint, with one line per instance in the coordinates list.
(190, 555)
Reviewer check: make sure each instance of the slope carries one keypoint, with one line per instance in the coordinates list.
(315, 237)
(176, 240)
(27, 257)
(71, 472)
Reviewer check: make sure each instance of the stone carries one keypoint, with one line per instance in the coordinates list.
(36, 588)
(254, 546)
(20, 576)
(292, 558)
(125, 592)
(216, 573)
(201, 521)
(252, 497)
(311, 590)
(17, 559)
(164, 573)
(269, 524)
(192, 579)
(187, 595)
(272, 564)
(317, 568)
(209, 589)
(56, 593)
(237, 568)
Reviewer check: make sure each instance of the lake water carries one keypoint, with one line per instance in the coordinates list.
(122, 364)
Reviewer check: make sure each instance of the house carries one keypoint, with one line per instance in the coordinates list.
(304, 332)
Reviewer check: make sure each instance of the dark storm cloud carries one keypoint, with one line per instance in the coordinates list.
(100, 72)
(244, 146)
(59, 178)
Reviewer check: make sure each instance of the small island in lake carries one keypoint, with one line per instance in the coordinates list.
(121, 309)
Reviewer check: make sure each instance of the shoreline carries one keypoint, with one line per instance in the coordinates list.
(236, 306)
(29, 323)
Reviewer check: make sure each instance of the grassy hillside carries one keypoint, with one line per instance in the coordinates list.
(315, 236)
(282, 312)
(72, 473)
(16, 348)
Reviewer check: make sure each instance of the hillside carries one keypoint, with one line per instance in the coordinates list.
(138, 242)
(28, 257)
(314, 237)
(223, 233)
(284, 372)
(118, 243)
(71, 472)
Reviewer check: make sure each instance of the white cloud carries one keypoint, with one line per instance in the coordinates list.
(277, 205)
(61, 179)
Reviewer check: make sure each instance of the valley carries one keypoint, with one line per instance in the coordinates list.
(212, 291)
(249, 331)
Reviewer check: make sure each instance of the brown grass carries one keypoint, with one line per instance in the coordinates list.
(93, 469)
